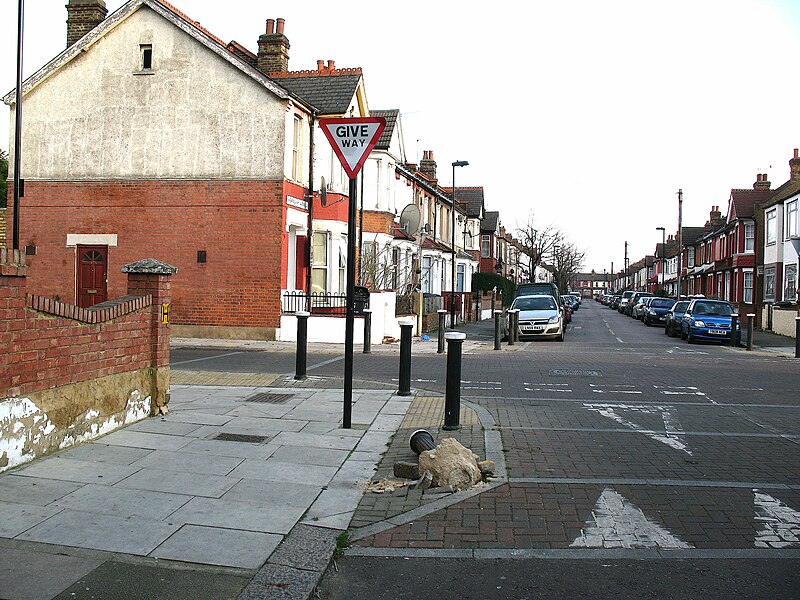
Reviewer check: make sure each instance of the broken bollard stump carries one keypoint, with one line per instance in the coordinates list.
(406, 470)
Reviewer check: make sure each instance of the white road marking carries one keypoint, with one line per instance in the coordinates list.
(547, 384)
(781, 524)
(738, 389)
(527, 389)
(618, 523)
(674, 393)
(673, 432)
(620, 341)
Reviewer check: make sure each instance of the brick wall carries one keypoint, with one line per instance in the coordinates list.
(378, 222)
(238, 223)
(69, 373)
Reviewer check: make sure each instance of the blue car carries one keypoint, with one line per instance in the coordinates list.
(708, 320)
(656, 311)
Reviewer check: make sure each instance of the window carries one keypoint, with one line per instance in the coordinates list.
(297, 154)
(747, 287)
(769, 284)
(319, 264)
(146, 57)
(343, 264)
(791, 219)
(486, 246)
(427, 266)
(395, 267)
(790, 283)
(771, 227)
(460, 278)
(690, 257)
(749, 237)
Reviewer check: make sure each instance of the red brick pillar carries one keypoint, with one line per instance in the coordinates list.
(12, 318)
(152, 277)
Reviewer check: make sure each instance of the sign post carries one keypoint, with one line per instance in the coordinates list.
(352, 140)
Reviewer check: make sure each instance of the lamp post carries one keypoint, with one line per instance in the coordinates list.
(458, 163)
(663, 252)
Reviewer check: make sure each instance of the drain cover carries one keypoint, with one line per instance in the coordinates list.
(577, 372)
(241, 437)
(268, 398)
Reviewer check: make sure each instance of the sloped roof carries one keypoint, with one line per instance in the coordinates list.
(490, 220)
(183, 22)
(691, 234)
(330, 91)
(743, 201)
(391, 117)
(470, 198)
(788, 189)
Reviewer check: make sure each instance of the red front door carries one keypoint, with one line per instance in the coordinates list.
(92, 272)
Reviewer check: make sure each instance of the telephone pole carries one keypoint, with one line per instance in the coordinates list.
(680, 242)
(625, 265)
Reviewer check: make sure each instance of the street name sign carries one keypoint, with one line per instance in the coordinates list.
(353, 139)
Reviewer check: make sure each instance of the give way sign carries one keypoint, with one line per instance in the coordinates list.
(353, 139)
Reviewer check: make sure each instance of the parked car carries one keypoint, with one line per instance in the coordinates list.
(657, 310)
(708, 320)
(529, 289)
(672, 325)
(614, 301)
(638, 310)
(633, 300)
(539, 317)
(625, 297)
(572, 300)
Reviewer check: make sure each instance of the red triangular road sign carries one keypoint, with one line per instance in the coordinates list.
(353, 139)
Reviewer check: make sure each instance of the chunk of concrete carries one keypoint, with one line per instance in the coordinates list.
(406, 470)
(451, 464)
(487, 468)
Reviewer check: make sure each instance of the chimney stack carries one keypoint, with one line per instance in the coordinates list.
(82, 17)
(273, 48)
(794, 166)
(761, 182)
(427, 166)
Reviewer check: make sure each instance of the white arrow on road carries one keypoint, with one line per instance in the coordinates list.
(781, 524)
(673, 432)
(618, 523)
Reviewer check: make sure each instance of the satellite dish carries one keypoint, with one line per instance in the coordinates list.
(323, 192)
(409, 219)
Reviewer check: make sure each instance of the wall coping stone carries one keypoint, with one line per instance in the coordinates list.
(150, 266)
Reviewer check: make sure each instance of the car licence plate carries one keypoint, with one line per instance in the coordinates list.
(717, 332)
(532, 327)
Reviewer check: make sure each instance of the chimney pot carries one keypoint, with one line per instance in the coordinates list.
(796, 150)
(270, 26)
(320, 65)
(331, 65)
(280, 24)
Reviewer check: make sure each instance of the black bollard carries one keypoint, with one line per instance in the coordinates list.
(516, 324)
(442, 315)
(497, 317)
(302, 343)
(367, 331)
(750, 318)
(452, 394)
(421, 440)
(511, 326)
(405, 358)
(734, 325)
(797, 337)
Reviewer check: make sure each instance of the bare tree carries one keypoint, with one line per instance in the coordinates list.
(536, 242)
(567, 262)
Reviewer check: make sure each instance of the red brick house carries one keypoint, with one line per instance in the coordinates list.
(150, 136)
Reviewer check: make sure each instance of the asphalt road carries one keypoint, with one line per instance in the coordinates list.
(618, 440)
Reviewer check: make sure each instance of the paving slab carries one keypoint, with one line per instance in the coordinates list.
(215, 546)
(266, 517)
(279, 582)
(33, 490)
(18, 518)
(175, 482)
(306, 547)
(67, 469)
(290, 494)
(207, 464)
(227, 448)
(123, 502)
(273, 470)
(300, 455)
(131, 535)
(28, 575)
(333, 441)
(97, 451)
(152, 441)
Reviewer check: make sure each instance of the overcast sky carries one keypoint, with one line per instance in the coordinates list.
(589, 115)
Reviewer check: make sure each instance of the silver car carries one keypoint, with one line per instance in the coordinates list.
(539, 317)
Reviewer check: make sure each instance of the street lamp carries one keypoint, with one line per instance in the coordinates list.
(458, 163)
(663, 252)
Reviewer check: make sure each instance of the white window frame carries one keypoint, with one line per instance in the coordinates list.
(461, 277)
(297, 148)
(486, 246)
(791, 219)
(319, 263)
(747, 286)
(770, 235)
(769, 284)
(790, 283)
(749, 237)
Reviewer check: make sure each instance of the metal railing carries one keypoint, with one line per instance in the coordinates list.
(322, 303)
